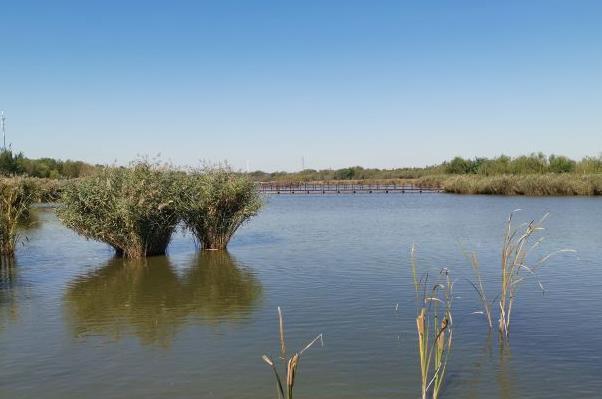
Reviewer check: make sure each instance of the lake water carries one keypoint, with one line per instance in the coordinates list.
(77, 323)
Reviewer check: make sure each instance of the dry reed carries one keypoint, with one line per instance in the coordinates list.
(16, 197)
(434, 327)
(515, 266)
(290, 365)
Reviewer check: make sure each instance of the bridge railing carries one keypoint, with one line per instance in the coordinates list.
(340, 188)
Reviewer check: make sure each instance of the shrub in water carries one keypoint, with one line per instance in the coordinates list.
(132, 209)
(16, 196)
(217, 201)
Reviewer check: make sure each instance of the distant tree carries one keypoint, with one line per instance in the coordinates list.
(344, 174)
(531, 164)
(590, 165)
(11, 163)
(496, 166)
(459, 166)
(561, 164)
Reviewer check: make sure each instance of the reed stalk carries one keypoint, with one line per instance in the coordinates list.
(434, 328)
(480, 289)
(518, 243)
(516, 266)
(285, 388)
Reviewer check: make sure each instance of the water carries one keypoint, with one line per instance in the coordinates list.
(75, 322)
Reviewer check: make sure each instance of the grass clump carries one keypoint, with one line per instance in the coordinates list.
(290, 365)
(133, 209)
(516, 266)
(16, 197)
(217, 202)
(518, 244)
(434, 327)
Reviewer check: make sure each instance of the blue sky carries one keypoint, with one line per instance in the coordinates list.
(339, 83)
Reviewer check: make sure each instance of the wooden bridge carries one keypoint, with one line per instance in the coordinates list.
(340, 188)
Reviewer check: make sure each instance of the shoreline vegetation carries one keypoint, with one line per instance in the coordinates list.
(533, 175)
(136, 209)
(566, 184)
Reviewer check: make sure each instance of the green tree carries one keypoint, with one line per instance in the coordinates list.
(10, 163)
(561, 164)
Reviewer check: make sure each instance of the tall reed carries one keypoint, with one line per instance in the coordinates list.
(516, 266)
(216, 203)
(519, 242)
(480, 289)
(434, 327)
(285, 387)
(133, 209)
(16, 197)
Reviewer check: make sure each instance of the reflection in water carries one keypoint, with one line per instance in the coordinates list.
(151, 300)
(31, 221)
(506, 377)
(8, 283)
(485, 356)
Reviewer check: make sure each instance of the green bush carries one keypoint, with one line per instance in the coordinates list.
(561, 164)
(16, 197)
(132, 209)
(216, 202)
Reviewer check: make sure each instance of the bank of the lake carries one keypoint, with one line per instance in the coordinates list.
(552, 184)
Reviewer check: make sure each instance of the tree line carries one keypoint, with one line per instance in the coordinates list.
(533, 164)
(16, 164)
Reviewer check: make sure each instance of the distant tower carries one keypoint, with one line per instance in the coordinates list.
(302, 163)
(3, 123)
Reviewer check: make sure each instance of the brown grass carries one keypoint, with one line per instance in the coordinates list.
(291, 364)
(568, 184)
(434, 328)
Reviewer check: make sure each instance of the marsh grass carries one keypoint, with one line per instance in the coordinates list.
(566, 184)
(217, 202)
(516, 266)
(285, 387)
(132, 209)
(434, 326)
(16, 197)
(486, 304)
(49, 189)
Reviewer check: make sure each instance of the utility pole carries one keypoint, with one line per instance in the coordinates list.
(3, 123)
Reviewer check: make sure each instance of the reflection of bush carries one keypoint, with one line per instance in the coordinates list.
(149, 299)
(8, 284)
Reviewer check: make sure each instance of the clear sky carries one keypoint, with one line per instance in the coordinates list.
(373, 83)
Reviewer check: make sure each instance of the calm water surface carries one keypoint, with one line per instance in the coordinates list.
(77, 323)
